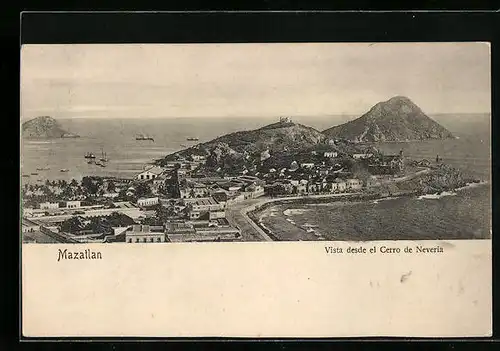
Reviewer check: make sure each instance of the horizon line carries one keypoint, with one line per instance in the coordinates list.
(246, 116)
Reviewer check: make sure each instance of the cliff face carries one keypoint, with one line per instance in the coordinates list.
(397, 119)
(44, 127)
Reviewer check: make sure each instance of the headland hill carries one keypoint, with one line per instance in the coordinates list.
(45, 127)
(224, 182)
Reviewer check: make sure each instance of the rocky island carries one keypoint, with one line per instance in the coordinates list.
(397, 119)
(45, 127)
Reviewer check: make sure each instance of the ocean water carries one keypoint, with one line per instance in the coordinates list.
(463, 215)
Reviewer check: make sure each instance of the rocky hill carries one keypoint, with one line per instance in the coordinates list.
(44, 127)
(397, 119)
(284, 135)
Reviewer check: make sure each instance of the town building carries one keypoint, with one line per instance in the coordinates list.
(150, 173)
(362, 156)
(330, 154)
(307, 165)
(192, 189)
(354, 184)
(202, 207)
(29, 225)
(139, 233)
(150, 201)
(49, 205)
(253, 191)
(73, 204)
(198, 158)
(341, 185)
(189, 232)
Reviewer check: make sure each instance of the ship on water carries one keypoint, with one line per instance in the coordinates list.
(89, 155)
(144, 137)
(64, 170)
(192, 139)
(103, 158)
(43, 169)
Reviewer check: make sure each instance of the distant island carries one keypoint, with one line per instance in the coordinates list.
(45, 127)
(397, 119)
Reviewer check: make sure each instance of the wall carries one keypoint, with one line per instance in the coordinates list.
(144, 237)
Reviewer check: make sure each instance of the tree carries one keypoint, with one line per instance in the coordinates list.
(73, 183)
(142, 190)
(111, 186)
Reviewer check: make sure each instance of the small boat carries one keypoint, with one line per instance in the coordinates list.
(90, 162)
(34, 173)
(103, 157)
(89, 155)
(26, 175)
(144, 137)
(43, 169)
(64, 170)
(192, 139)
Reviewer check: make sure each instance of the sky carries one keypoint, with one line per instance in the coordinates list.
(293, 79)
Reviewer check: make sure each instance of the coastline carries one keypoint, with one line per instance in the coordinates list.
(250, 213)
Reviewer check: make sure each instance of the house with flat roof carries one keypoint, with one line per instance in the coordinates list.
(29, 225)
(200, 208)
(139, 233)
(149, 201)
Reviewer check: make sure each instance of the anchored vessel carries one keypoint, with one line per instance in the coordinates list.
(89, 155)
(103, 156)
(192, 139)
(144, 137)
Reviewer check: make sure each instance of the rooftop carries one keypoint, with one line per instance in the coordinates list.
(28, 222)
(201, 201)
(155, 170)
(143, 228)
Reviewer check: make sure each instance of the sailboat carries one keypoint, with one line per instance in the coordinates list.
(103, 156)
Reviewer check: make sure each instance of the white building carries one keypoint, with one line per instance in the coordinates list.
(198, 158)
(354, 184)
(145, 234)
(330, 154)
(361, 156)
(340, 185)
(150, 173)
(73, 204)
(29, 226)
(150, 201)
(307, 165)
(49, 205)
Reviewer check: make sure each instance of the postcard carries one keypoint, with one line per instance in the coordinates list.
(256, 190)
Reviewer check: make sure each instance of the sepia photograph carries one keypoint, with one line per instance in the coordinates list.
(167, 143)
(178, 190)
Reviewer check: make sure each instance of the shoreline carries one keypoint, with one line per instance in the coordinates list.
(251, 212)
